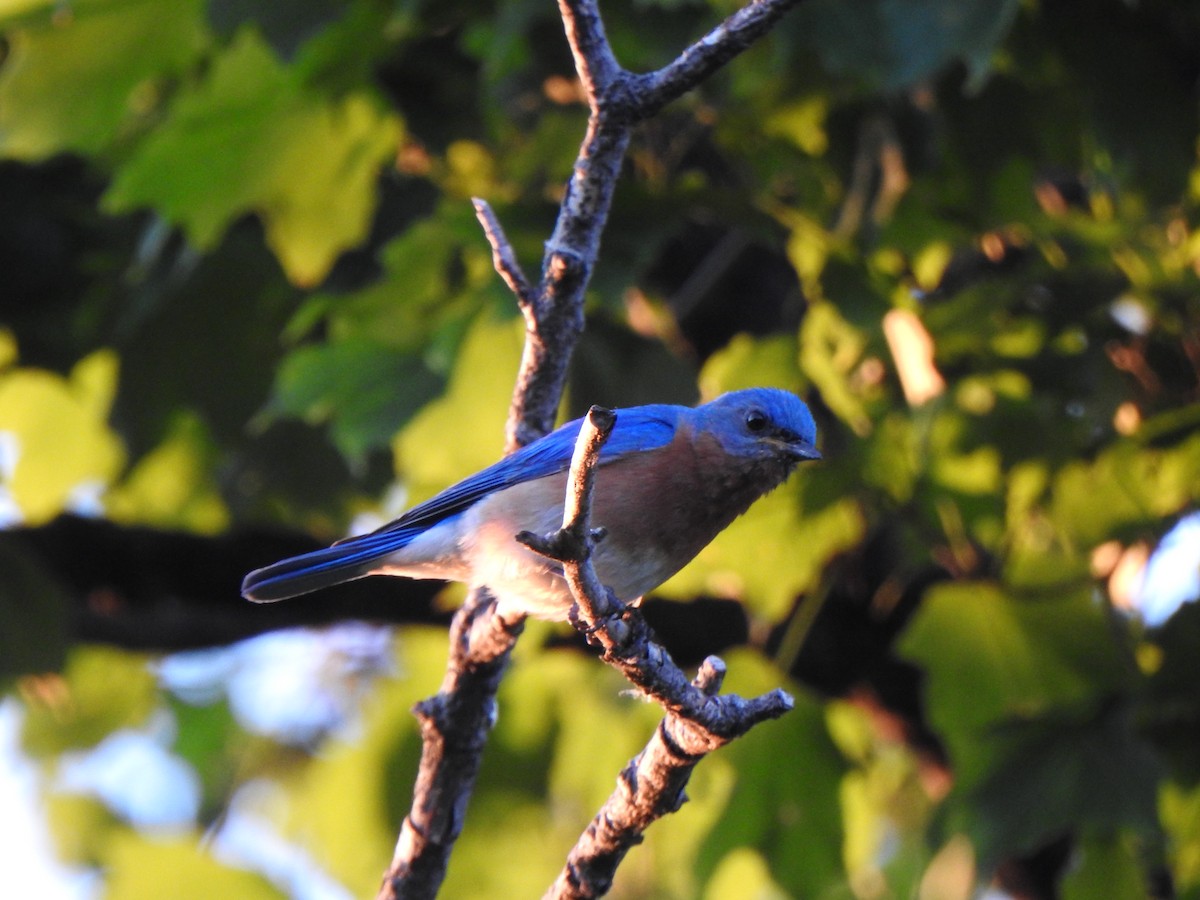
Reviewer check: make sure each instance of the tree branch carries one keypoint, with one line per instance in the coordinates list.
(454, 728)
(651, 92)
(698, 721)
(454, 724)
(504, 258)
(594, 60)
(617, 100)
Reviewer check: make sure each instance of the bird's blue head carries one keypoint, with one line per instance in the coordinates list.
(763, 424)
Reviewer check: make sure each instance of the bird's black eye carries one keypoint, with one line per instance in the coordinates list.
(756, 420)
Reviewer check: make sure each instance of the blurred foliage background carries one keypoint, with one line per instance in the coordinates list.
(245, 307)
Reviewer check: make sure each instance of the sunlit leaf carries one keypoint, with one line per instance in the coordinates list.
(743, 873)
(1180, 811)
(803, 123)
(463, 431)
(747, 362)
(171, 487)
(884, 805)
(76, 76)
(505, 828)
(1125, 489)
(250, 138)
(65, 452)
(830, 348)
(143, 869)
(100, 691)
(80, 825)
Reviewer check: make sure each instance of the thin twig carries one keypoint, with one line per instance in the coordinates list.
(654, 90)
(504, 258)
(594, 60)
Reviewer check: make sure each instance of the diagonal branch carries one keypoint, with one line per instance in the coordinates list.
(654, 90)
(698, 719)
(504, 258)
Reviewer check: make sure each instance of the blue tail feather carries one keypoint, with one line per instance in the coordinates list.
(344, 561)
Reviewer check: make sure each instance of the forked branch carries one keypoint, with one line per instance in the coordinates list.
(454, 724)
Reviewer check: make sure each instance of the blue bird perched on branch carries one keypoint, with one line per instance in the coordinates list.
(669, 479)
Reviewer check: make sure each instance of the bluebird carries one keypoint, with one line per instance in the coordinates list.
(669, 480)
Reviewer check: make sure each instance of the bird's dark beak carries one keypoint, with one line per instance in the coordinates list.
(800, 450)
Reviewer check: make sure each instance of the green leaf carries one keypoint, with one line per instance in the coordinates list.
(80, 825)
(1171, 716)
(196, 343)
(60, 435)
(463, 431)
(893, 44)
(172, 486)
(101, 690)
(544, 693)
(250, 138)
(830, 348)
(370, 772)
(1180, 811)
(748, 361)
(1043, 780)
(773, 553)
(1125, 490)
(991, 657)
(285, 25)
(1028, 696)
(1105, 866)
(743, 873)
(145, 869)
(210, 741)
(437, 275)
(365, 390)
(615, 367)
(77, 75)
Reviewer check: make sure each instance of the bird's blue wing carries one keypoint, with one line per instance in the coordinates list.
(637, 429)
